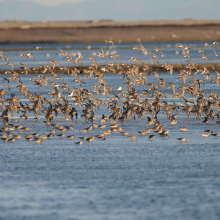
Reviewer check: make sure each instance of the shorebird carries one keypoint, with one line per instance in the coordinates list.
(91, 138)
(182, 139)
(136, 48)
(205, 134)
(201, 51)
(15, 120)
(71, 136)
(102, 54)
(36, 134)
(63, 53)
(22, 55)
(26, 69)
(124, 133)
(38, 48)
(215, 43)
(173, 122)
(43, 136)
(110, 41)
(174, 36)
(133, 137)
(107, 131)
(184, 129)
(17, 136)
(141, 97)
(216, 54)
(151, 136)
(85, 130)
(216, 134)
(38, 140)
(28, 136)
(205, 57)
(62, 135)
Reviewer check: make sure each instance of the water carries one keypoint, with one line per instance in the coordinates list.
(118, 178)
(51, 51)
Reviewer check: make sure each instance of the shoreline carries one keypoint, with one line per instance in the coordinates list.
(100, 31)
(152, 68)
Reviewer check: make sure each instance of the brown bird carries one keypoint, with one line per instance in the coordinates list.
(174, 36)
(110, 41)
(182, 139)
(38, 140)
(205, 57)
(136, 48)
(184, 129)
(215, 43)
(133, 137)
(71, 136)
(216, 54)
(205, 134)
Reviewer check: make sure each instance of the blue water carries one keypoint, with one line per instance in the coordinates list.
(51, 51)
(118, 178)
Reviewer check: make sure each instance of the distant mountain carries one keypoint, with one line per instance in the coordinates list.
(124, 10)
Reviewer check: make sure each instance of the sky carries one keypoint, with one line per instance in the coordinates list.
(162, 2)
(56, 2)
(123, 10)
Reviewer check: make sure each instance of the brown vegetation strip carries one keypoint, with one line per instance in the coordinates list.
(152, 68)
(104, 23)
(99, 31)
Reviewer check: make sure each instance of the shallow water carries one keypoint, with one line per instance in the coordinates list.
(118, 178)
(51, 51)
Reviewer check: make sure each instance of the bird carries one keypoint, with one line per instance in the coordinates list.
(38, 140)
(174, 36)
(184, 129)
(215, 43)
(136, 48)
(205, 134)
(216, 54)
(17, 136)
(63, 53)
(110, 41)
(43, 136)
(124, 133)
(15, 120)
(201, 51)
(182, 139)
(173, 122)
(71, 136)
(103, 103)
(62, 135)
(132, 137)
(151, 136)
(38, 48)
(216, 134)
(205, 57)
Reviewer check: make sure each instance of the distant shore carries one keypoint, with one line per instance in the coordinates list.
(102, 30)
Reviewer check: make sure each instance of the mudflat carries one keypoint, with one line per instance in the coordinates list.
(101, 30)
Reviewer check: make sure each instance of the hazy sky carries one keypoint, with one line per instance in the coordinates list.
(172, 3)
(56, 2)
(109, 10)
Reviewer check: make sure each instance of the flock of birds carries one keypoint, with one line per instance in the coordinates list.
(121, 104)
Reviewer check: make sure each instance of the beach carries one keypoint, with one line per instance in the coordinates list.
(102, 30)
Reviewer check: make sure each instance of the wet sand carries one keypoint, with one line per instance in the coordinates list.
(99, 31)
